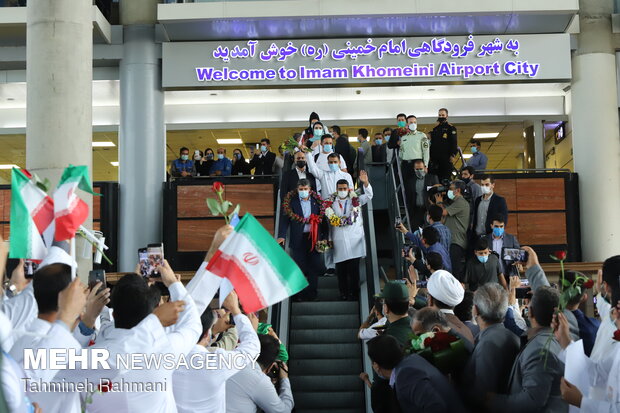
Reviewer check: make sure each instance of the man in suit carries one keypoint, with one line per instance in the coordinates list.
(302, 250)
(292, 177)
(264, 161)
(418, 385)
(416, 190)
(498, 240)
(444, 293)
(379, 149)
(489, 366)
(487, 206)
(534, 384)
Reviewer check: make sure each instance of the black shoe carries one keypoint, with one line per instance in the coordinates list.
(330, 272)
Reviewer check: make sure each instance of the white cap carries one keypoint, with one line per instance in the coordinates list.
(444, 287)
(56, 255)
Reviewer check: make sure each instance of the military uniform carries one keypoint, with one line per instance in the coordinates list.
(415, 145)
(443, 146)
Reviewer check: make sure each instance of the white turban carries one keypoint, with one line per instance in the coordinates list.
(56, 255)
(444, 287)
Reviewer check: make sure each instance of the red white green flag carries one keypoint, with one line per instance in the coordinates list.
(69, 210)
(260, 270)
(32, 217)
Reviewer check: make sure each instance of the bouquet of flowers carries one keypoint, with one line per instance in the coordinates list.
(337, 221)
(323, 245)
(222, 206)
(443, 350)
(291, 145)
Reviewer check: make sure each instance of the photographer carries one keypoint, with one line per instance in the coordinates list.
(457, 220)
(252, 387)
(429, 242)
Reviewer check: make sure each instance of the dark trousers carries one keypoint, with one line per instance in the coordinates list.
(311, 264)
(442, 168)
(417, 215)
(348, 277)
(457, 255)
(382, 397)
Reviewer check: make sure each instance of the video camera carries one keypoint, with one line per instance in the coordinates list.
(441, 189)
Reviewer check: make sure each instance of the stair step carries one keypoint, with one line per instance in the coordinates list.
(328, 282)
(324, 351)
(325, 367)
(328, 294)
(323, 336)
(325, 307)
(326, 383)
(321, 321)
(331, 400)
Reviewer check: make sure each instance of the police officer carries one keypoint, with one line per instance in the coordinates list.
(443, 146)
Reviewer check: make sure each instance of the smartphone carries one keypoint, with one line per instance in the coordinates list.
(397, 222)
(406, 249)
(515, 255)
(523, 292)
(96, 276)
(144, 262)
(155, 257)
(30, 267)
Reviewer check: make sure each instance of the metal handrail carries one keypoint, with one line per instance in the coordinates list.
(524, 170)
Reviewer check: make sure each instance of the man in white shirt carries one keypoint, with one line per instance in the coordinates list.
(252, 386)
(329, 179)
(190, 385)
(321, 151)
(368, 330)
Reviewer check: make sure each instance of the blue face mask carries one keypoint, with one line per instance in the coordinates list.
(314, 138)
(483, 258)
(184, 157)
(220, 156)
(387, 138)
(304, 194)
(333, 167)
(474, 149)
(263, 148)
(451, 194)
(237, 156)
(379, 141)
(318, 133)
(498, 232)
(327, 147)
(401, 123)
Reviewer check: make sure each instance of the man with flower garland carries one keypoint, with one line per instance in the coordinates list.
(302, 212)
(343, 213)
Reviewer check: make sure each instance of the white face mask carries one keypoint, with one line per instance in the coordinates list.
(413, 127)
(343, 194)
(486, 190)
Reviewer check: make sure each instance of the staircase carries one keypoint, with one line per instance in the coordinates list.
(325, 353)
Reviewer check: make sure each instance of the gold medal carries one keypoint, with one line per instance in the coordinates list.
(445, 136)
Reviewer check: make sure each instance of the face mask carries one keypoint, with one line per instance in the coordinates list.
(413, 127)
(450, 194)
(441, 120)
(220, 156)
(237, 156)
(343, 194)
(300, 164)
(420, 173)
(401, 123)
(304, 194)
(387, 138)
(318, 133)
(334, 167)
(486, 190)
(474, 149)
(197, 157)
(466, 180)
(379, 141)
(263, 148)
(483, 258)
(327, 147)
(498, 232)
(185, 157)
(209, 156)
(314, 138)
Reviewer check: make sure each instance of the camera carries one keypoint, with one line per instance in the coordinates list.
(410, 247)
(274, 372)
(441, 189)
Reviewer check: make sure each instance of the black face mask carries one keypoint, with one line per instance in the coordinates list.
(209, 156)
(441, 120)
(300, 164)
(466, 180)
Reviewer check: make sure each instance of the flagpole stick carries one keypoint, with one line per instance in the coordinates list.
(72, 249)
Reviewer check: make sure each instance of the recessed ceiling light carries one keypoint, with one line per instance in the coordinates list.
(430, 90)
(229, 141)
(467, 155)
(212, 94)
(491, 135)
(104, 144)
(114, 163)
(10, 99)
(9, 166)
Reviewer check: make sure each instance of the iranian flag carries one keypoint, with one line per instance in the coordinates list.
(69, 210)
(32, 218)
(255, 264)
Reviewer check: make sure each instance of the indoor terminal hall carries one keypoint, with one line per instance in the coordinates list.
(309, 206)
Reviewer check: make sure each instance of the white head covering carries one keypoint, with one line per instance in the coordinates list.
(444, 287)
(57, 255)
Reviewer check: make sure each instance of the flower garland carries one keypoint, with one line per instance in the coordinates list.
(286, 207)
(336, 221)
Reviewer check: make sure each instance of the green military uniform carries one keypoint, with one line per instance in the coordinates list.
(415, 145)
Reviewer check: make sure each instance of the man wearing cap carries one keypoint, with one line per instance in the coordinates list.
(395, 306)
(444, 293)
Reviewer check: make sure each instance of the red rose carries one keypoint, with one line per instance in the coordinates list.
(617, 335)
(427, 342)
(588, 284)
(560, 255)
(105, 386)
(218, 187)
